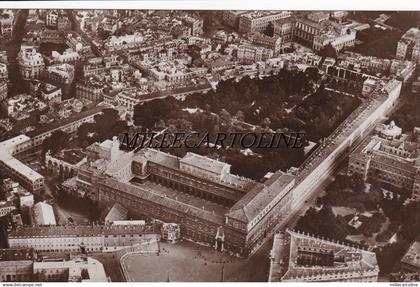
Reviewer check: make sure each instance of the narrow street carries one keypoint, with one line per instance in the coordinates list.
(12, 50)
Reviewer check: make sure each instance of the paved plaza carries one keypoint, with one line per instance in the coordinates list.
(188, 262)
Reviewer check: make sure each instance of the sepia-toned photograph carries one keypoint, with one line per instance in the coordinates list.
(183, 145)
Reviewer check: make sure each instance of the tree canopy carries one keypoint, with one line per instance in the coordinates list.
(105, 126)
(56, 142)
(328, 51)
(324, 223)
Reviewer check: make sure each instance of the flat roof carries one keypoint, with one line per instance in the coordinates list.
(227, 183)
(21, 168)
(354, 259)
(44, 214)
(95, 269)
(9, 145)
(262, 14)
(412, 257)
(205, 163)
(81, 230)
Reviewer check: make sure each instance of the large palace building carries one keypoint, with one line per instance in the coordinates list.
(389, 158)
(212, 205)
(304, 258)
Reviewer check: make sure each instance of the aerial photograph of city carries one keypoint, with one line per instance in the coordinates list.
(209, 146)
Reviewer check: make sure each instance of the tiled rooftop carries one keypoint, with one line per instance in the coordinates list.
(346, 260)
(81, 230)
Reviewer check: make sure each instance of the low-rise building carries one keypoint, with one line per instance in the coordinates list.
(257, 21)
(171, 232)
(195, 24)
(129, 99)
(3, 95)
(231, 18)
(408, 47)
(4, 76)
(284, 29)
(81, 239)
(68, 56)
(336, 35)
(79, 269)
(24, 109)
(390, 159)
(90, 89)
(6, 208)
(67, 161)
(7, 19)
(274, 43)
(51, 18)
(248, 54)
(410, 263)
(49, 93)
(68, 125)
(63, 24)
(28, 178)
(44, 214)
(77, 43)
(31, 63)
(98, 65)
(17, 194)
(117, 43)
(61, 73)
(16, 264)
(51, 36)
(26, 199)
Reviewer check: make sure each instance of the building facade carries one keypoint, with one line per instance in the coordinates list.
(80, 239)
(300, 257)
(408, 47)
(31, 63)
(28, 178)
(410, 263)
(389, 158)
(257, 21)
(89, 90)
(16, 264)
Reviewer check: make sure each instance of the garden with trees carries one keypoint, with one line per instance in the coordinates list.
(323, 222)
(377, 42)
(55, 142)
(349, 191)
(290, 101)
(105, 126)
(408, 116)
